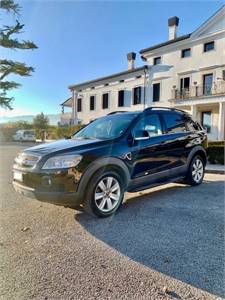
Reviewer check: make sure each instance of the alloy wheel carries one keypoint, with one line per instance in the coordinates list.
(107, 194)
(197, 170)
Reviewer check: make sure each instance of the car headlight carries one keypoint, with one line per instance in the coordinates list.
(62, 161)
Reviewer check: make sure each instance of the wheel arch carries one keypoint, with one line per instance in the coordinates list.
(109, 163)
(199, 150)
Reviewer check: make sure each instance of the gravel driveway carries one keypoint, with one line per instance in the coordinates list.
(165, 243)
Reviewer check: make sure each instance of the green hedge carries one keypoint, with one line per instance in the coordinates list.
(216, 143)
(215, 154)
(61, 132)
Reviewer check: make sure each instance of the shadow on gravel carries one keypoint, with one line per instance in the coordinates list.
(178, 231)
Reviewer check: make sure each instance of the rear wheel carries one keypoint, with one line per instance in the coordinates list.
(105, 194)
(196, 171)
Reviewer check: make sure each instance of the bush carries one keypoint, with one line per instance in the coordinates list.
(215, 154)
(216, 143)
(62, 132)
(6, 133)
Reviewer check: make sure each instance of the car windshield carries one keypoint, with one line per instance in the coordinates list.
(104, 128)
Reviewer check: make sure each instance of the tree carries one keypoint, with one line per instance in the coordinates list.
(8, 67)
(41, 122)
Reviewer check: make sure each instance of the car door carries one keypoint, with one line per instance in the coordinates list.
(176, 139)
(149, 155)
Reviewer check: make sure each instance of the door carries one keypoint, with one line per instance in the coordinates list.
(177, 139)
(206, 120)
(184, 86)
(207, 84)
(149, 155)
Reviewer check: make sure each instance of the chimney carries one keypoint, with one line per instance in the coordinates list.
(173, 23)
(131, 59)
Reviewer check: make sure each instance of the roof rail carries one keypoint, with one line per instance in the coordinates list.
(117, 112)
(164, 108)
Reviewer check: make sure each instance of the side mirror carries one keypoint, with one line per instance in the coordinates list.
(66, 137)
(141, 135)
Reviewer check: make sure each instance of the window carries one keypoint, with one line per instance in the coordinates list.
(223, 75)
(192, 126)
(209, 46)
(137, 95)
(207, 120)
(157, 60)
(106, 128)
(79, 104)
(207, 84)
(156, 92)
(185, 83)
(184, 86)
(105, 101)
(150, 123)
(186, 52)
(175, 122)
(121, 98)
(92, 103)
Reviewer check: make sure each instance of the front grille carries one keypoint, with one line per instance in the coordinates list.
(26, 160)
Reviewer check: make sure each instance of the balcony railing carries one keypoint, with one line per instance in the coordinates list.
(198, 91)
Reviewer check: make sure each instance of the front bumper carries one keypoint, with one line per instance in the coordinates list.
(70, 199)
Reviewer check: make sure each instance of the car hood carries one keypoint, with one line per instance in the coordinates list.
(63, 145)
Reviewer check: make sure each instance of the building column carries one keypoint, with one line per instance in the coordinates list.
(221, 121)
(194, 112)
(74, 107)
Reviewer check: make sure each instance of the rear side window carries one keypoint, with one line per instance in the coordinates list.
(192, 126)
(175, 122)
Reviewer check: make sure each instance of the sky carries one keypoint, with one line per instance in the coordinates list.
(83, 40)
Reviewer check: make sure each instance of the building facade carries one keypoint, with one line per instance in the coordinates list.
(186, 72)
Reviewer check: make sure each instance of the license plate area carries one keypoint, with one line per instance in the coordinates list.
(18, 176)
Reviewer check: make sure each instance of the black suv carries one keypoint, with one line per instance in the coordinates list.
(123, 151)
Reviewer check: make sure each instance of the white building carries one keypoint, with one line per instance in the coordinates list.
(187, 72)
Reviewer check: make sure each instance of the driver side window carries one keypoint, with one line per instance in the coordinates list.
(151, 124)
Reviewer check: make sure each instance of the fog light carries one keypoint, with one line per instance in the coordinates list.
(46, 181)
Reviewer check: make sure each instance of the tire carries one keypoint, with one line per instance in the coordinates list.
(99, 201)
(196, 171)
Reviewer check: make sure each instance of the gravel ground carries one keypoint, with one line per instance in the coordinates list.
(165, 243)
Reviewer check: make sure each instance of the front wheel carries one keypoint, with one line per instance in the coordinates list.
(196, 171)
(105, 194)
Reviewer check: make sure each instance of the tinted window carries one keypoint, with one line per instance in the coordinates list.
(92, 102)
(157, 60)
(192, 126)
(208, 46)
(186, 53)
(28, 132)
(175, 122)
(105, 101)
(150, 123)
(121, 98)
(156, 92)
(79, 104)
(137, 95)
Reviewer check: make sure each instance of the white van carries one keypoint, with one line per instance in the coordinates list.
(25, 135)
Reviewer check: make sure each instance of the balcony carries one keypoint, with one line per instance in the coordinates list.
(197, 91)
